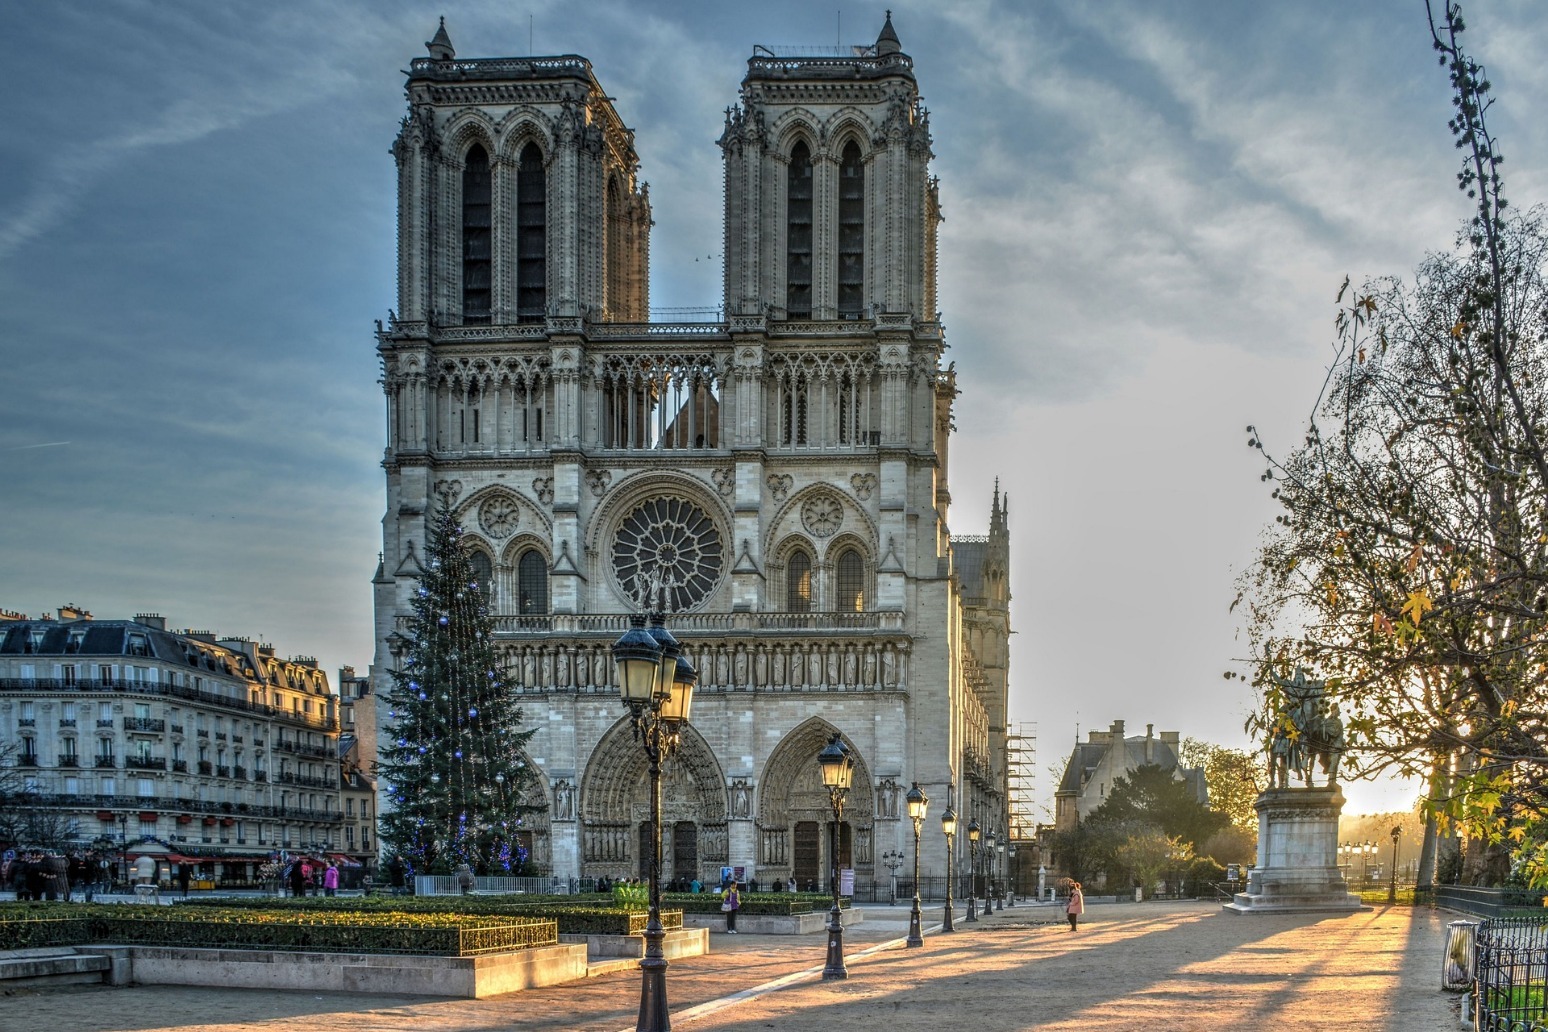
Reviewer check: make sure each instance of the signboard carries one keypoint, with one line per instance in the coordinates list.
(847, 881)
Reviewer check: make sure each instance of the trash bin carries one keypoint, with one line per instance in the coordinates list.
(1457, 960)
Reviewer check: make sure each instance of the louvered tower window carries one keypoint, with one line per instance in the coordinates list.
(851, 234)
(798, 240)
(532, 583)
(851, 582)
(476, 249)
(531, 237)
(798, 584)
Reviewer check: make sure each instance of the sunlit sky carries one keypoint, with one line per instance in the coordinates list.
(1149, 209)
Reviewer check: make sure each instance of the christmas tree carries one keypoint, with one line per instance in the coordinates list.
(452, 754)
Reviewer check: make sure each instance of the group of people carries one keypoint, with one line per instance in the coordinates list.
(306, 878)
(36, 874)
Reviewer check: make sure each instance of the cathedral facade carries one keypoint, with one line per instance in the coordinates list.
(776, 482)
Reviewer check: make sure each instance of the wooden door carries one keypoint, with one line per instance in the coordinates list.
(807, 854)
(685, 851)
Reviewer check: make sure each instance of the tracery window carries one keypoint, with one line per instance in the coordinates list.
(531, 237)
(798, 238)
(798, 583)
(532, 583)
(668, 555)
(483, 573)
(476, 237)
(851, 234)
(851, 582)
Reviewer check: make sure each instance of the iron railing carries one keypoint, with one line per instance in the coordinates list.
(1511, 960)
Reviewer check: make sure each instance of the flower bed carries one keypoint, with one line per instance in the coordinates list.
(441, 934)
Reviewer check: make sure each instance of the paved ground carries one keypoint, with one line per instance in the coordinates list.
(1178, 967)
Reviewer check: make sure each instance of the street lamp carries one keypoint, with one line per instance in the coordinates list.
(123, 844)
(974, 831)
(892, 859)
(1011, 872)
(1365, 869)
(656, 683)
(1000, 865)
(949, 828)
(838, 768)
(989, 873)
(1397, 833)
(917, 804)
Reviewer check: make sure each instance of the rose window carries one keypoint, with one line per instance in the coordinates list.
(498, 516)
(822, 515)
(668, 555)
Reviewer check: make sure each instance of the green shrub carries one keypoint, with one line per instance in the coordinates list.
(777, 904)
(588, 917)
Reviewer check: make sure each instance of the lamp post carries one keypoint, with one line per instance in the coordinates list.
(892, 859)
(1011, 871)
(1000, 866)
(989, 873)
(917, 804)
(656, 683)
(974, 831)
(1397, 833)
(949, 828)
(838, 768)
(123, 844)
(1365, 867)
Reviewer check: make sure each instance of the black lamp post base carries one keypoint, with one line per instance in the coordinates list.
(653, 1000)
(915, 925)
(972, 914)
(834, 967)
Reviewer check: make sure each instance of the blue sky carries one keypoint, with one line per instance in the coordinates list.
(1149, 209)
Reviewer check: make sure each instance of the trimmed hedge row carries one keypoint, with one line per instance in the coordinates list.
(778, 904)
(442, 934)
(571, 918)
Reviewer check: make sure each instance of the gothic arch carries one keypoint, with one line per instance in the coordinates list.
(787, 520)
(845, 126)
(536, 821)
(795, 127)
(523, 126)
(467, 128)
(636, 489)
(531, 522)
(791, 791)
(615, 803)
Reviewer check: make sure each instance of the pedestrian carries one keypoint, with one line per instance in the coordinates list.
(307, 885)
(1076, 905)
(184, 876)
(730, 902)
(790, 884)
(331, 880)
(297, 878)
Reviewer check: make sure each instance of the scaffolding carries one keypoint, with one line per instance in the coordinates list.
(1020, 775)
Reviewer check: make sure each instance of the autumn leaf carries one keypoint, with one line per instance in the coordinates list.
(1417, 605)
(1332, 592)
(1414, 556)
(1517, 833)
(1459, 329)
(1380, 624)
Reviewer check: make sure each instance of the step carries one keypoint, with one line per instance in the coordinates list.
(51, 966)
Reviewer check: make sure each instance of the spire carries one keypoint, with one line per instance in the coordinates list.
(998, 513)
(441, 46)
(887, 42)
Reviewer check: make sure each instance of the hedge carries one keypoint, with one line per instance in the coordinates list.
(571, 918)
(778, 904)
(442, 934)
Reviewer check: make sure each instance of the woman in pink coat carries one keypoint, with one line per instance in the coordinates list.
(331, 880)
(1077, 904)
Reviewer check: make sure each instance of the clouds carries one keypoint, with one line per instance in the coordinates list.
(1148, 211)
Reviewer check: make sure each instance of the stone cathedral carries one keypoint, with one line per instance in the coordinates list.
(776, 482)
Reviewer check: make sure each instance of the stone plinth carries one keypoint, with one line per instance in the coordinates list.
(1297, 870)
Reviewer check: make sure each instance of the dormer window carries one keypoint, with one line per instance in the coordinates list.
(139, 645)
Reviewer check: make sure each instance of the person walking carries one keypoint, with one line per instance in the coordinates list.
(184, 876)
(1076, 905)
(331, 880)
(297, 878)
(730, 902)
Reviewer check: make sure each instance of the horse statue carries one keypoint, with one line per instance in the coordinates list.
(1307, 733)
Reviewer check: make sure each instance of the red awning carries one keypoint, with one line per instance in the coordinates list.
(343, 861)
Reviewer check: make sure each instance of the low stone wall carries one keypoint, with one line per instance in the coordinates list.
(469, 977)
(772, 924)
(678, 942)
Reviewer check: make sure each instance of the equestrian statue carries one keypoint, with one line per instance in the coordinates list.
(1307, 732)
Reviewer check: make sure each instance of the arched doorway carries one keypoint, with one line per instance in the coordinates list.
(794, 812)
(615, 832)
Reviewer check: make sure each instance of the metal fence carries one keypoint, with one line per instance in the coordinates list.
(1511, 956)
(1479, 901)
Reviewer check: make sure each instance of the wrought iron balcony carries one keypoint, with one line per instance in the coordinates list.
(144, 724)
(69, 760)
(206, 767)
(181, 766)
(106, 762)
(145, 762)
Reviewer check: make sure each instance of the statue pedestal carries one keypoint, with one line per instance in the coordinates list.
(1297, 869)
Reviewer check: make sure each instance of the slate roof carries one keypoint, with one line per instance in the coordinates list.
(968, 561)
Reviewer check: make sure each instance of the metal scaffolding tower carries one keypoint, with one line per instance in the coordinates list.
(1020, 774)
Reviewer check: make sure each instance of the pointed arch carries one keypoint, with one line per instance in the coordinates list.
(851, 231)
(531, 234)
(799, 196)
(791, 794)
(615, 804)
(477, 236)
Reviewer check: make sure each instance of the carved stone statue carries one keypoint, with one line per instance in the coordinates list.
(1306, 733)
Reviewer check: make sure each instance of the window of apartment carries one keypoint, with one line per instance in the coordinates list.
(107, 786)
(67, 675)
(26, 711)
(105, 711)
(349, 807)
(146, 788)
(67, 750)
(104, 673)
(67, 709)
(139, 645)
(72, 786)
(142, 711)
(349, 836)
(29, 750)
